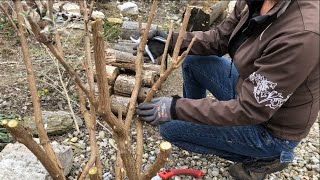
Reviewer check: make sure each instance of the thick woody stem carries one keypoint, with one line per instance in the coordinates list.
(44, 140)
(87, 118)
(100, 64)
(157, 164)
(50, 9)
(23, 136)
(119, 164)
(165, 150)
(166, 47)
(139, 65)
(138, 81)
(57, 39)
(104, 103)
(181, 34)
(88, 60)
(93, 173)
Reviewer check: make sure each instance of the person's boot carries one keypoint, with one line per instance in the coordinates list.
(255, 170)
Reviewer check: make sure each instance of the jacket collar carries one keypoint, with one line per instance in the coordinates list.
(279, 8)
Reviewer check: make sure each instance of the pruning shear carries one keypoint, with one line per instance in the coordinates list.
(167, 174)
(137, 39)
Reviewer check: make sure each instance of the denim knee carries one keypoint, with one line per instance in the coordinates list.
(166, 130)
(189, 60)
(197, 61)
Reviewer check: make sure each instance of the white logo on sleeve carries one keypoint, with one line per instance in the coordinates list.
(264, 92)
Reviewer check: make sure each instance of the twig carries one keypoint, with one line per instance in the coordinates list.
(65, 91)
(138, 81)
(91, 9)
(140, 24)
(139, 65)
(9, 18)
(166, 47)
(104, 127)
(44, 140)
(182, 31)
(43, 39)
(91, 129)
(119, 165)
(50, 9)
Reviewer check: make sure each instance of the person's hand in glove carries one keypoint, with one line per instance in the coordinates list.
(156, 47)
(156, 111)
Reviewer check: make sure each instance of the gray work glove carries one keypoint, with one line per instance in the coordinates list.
(156, 47)
(156, 111)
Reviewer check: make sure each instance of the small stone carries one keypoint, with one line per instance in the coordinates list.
(97, 15)
(74, 139)
(152, 158)
(145, 155)
(129, 8)
(88, 149)
(309, 167)
(314, 160)
(295, 177)
(113, 157)
(102, 134)
(316, 168)
(214, 172)
(75, 133)
(106, 176)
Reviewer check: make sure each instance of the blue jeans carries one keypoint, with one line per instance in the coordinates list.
(235, 143)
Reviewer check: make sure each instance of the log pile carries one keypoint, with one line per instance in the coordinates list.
(206, 13)
(120, 70)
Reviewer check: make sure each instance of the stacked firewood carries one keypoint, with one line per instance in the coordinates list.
(120, 74)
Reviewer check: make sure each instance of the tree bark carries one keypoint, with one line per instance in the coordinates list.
(104, 109)
(44, 140)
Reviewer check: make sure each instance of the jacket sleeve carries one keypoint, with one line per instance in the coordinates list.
(278, 73)
(212, 42)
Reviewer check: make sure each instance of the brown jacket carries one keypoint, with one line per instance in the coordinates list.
(278, 67)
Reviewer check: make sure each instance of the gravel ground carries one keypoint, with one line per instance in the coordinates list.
(304, 167)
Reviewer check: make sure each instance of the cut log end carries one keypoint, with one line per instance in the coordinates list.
(93, 171)
(4, 122)
(13, 123)
(165, 146)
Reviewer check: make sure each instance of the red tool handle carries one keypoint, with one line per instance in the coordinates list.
(166, 174)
